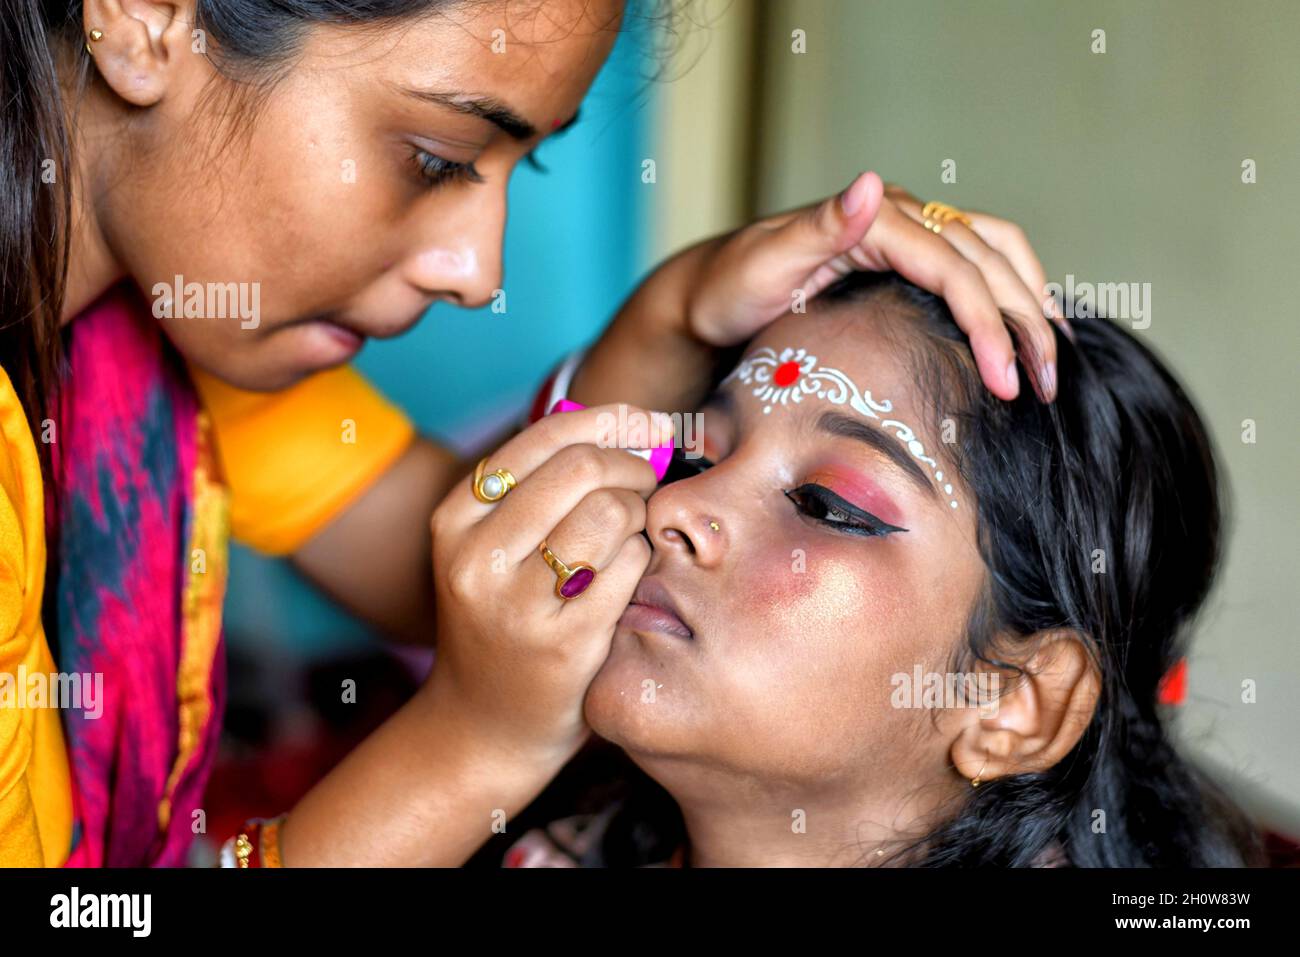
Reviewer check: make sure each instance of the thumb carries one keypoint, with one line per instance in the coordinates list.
(812, 237)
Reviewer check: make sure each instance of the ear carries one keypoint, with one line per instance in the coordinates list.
(143, 46)
(1042, 715)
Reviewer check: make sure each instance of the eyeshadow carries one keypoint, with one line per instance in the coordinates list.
(858, 489)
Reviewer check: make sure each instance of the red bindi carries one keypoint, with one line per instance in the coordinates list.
(786, 373)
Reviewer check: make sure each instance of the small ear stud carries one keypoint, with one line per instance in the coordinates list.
(95, 36)
(714, 526)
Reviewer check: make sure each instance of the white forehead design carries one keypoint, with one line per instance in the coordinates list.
(794, 375)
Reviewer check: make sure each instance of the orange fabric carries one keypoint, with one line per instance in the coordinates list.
(35, 787)
(201, 604)
(294, 460)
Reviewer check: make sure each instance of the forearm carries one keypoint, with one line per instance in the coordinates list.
(649, 356)
(423, 790)
(374, 558)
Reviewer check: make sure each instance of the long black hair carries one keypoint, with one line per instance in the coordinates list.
(1099, 512)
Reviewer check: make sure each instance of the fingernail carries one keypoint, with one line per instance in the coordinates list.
(1013, 380)
(659, 458)
(854, 195)
(1048, 378)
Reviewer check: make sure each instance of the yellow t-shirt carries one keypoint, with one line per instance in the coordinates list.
(292, 460)
(35, 790)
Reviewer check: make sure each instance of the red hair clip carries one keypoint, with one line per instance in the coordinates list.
(1173, 686)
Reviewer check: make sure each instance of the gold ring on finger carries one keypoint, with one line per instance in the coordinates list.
(937, 214)
(570, 580)
(489, 487)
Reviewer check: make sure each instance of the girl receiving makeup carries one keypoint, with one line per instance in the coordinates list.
(863, 510)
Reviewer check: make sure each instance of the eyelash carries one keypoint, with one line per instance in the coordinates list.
(680, 467)
(434, 171)
(532, 160)
(850, 519)
(815, 501)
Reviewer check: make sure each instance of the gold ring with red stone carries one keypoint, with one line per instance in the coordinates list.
(570, 580)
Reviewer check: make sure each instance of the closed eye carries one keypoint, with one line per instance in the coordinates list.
(822, 505)
(681, 467)
(435, 171)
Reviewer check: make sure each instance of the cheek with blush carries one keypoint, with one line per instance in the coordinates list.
(819, 600)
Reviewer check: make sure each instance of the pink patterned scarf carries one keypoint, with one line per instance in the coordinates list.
(137, 528)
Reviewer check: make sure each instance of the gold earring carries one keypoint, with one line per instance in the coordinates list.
(95, 36)
(714, 526)
(976, 782)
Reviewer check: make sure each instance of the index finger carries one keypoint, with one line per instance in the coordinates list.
(615, 425)
(931, 262)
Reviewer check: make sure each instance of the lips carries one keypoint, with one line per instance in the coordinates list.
(360, 330)
(345, 335)
(652, 608)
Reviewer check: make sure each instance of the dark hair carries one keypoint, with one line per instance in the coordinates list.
(1119, 470)
(1118, 467)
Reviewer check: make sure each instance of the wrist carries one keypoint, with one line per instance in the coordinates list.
(669, 294)
(653, 354)
(425, 789)
(494, 750)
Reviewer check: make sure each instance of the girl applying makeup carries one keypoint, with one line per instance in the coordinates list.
(148, 140)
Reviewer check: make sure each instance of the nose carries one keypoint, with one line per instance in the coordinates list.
(684, 521)
(462, 262)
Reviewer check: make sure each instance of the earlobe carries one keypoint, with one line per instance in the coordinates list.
(137, 45)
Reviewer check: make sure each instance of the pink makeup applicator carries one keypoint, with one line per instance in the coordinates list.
(658, 457)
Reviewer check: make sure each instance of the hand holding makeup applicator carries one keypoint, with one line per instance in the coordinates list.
(658, 457)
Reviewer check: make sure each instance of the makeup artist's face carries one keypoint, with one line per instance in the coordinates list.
(373, 182)
(798, 608)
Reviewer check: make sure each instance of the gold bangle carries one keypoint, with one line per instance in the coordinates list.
(270, 843)
(243, 850)
(258, 843)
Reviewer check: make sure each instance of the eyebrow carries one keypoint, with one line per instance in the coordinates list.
(844, 426)
(485, 108)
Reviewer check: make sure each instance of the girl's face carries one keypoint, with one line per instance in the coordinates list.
(838, 561)
(372, 183)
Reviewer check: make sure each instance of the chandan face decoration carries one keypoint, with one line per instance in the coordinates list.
(793, 375)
